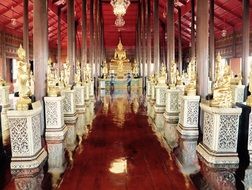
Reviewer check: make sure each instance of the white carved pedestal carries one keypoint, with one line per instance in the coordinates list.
(220, 135)
(171, 116)
(28, 155)
(181, 94)
(70, 118)
(91, 90)
(159, 107)
(188, 116)
(5, 103)
(55, 134)
(148, 89)
(237, 93)
(250, 137)
(153, 92)
(152, 100)
(80, 108)
(102, 84)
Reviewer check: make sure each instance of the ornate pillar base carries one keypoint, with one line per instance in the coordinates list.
(5, 103)
(220, 135)
(70, 118)
(171, 116)
(250, 137)
(237, 93)
(160, 98)
(186, 156)
(28, 155)
(188, 117)
(148, 89)
(80, 108)
(91, 90)
(55, 134)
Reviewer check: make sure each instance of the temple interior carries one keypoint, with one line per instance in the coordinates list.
(125, 94)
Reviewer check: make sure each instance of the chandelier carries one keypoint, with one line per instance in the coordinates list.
(120, 7)
(119, 22)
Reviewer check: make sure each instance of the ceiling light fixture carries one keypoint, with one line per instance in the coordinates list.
(120, 7)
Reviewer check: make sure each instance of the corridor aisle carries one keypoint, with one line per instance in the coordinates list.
(122, 152)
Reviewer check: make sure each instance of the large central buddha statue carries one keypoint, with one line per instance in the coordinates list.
(120, 64)
(120, 53)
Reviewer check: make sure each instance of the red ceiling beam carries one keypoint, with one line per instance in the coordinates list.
(7, 8)
(227, 9)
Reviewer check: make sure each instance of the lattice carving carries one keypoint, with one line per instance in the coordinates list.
(228, 132)
(19, 136)
(51, 113)
(174, 101)
(181, 114)
(162, 96)
(208, 129)
(192, 113)
(36, 124)
(67, 103)
(78, 96)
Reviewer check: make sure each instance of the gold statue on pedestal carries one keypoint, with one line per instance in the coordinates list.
(173, 74)
(2, 82)
(120, 64)
(86, 73)
(52, 89)
(77, 76)
(135, 70)
(66, 67)
(162, 75)
(222, 95)
(249, 98)
(104, 69)
(23, 81)
(190, 89)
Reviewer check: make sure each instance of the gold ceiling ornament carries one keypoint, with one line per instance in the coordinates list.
(23, 77)
(120, 7)
(222, 95)
(190, 89)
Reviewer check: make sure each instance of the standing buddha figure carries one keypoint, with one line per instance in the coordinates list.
(23, 81)
(77, 77)
(173, 74)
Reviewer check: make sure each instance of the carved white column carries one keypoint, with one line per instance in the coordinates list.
(250, 137)
(28, 155)
(160, 91)
(55, 134)
(237, 93)
(188, 116)
(80, 108)
(5, 103)
(220, 135)
(91, 90)
(171, 116)
(70, 118)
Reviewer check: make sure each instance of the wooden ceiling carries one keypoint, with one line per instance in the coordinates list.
(228, 16)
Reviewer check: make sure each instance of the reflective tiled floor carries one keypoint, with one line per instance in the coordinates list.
(122, 152)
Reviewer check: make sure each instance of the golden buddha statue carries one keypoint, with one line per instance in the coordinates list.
(77, 76)
(249, 98)
(120, 64)
(173, 73)
(222, 95)
(52, 89)
(135, 70)
(120, 53)
(23, 81)
(178, 78)
(162, 75)
(66, 67)
(104, 69)
(2, 82)
(190, 89)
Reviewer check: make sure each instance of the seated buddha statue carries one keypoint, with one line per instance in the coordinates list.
(190, 88)
(120, 53)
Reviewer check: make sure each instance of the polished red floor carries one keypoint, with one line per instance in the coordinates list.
(122, 152)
